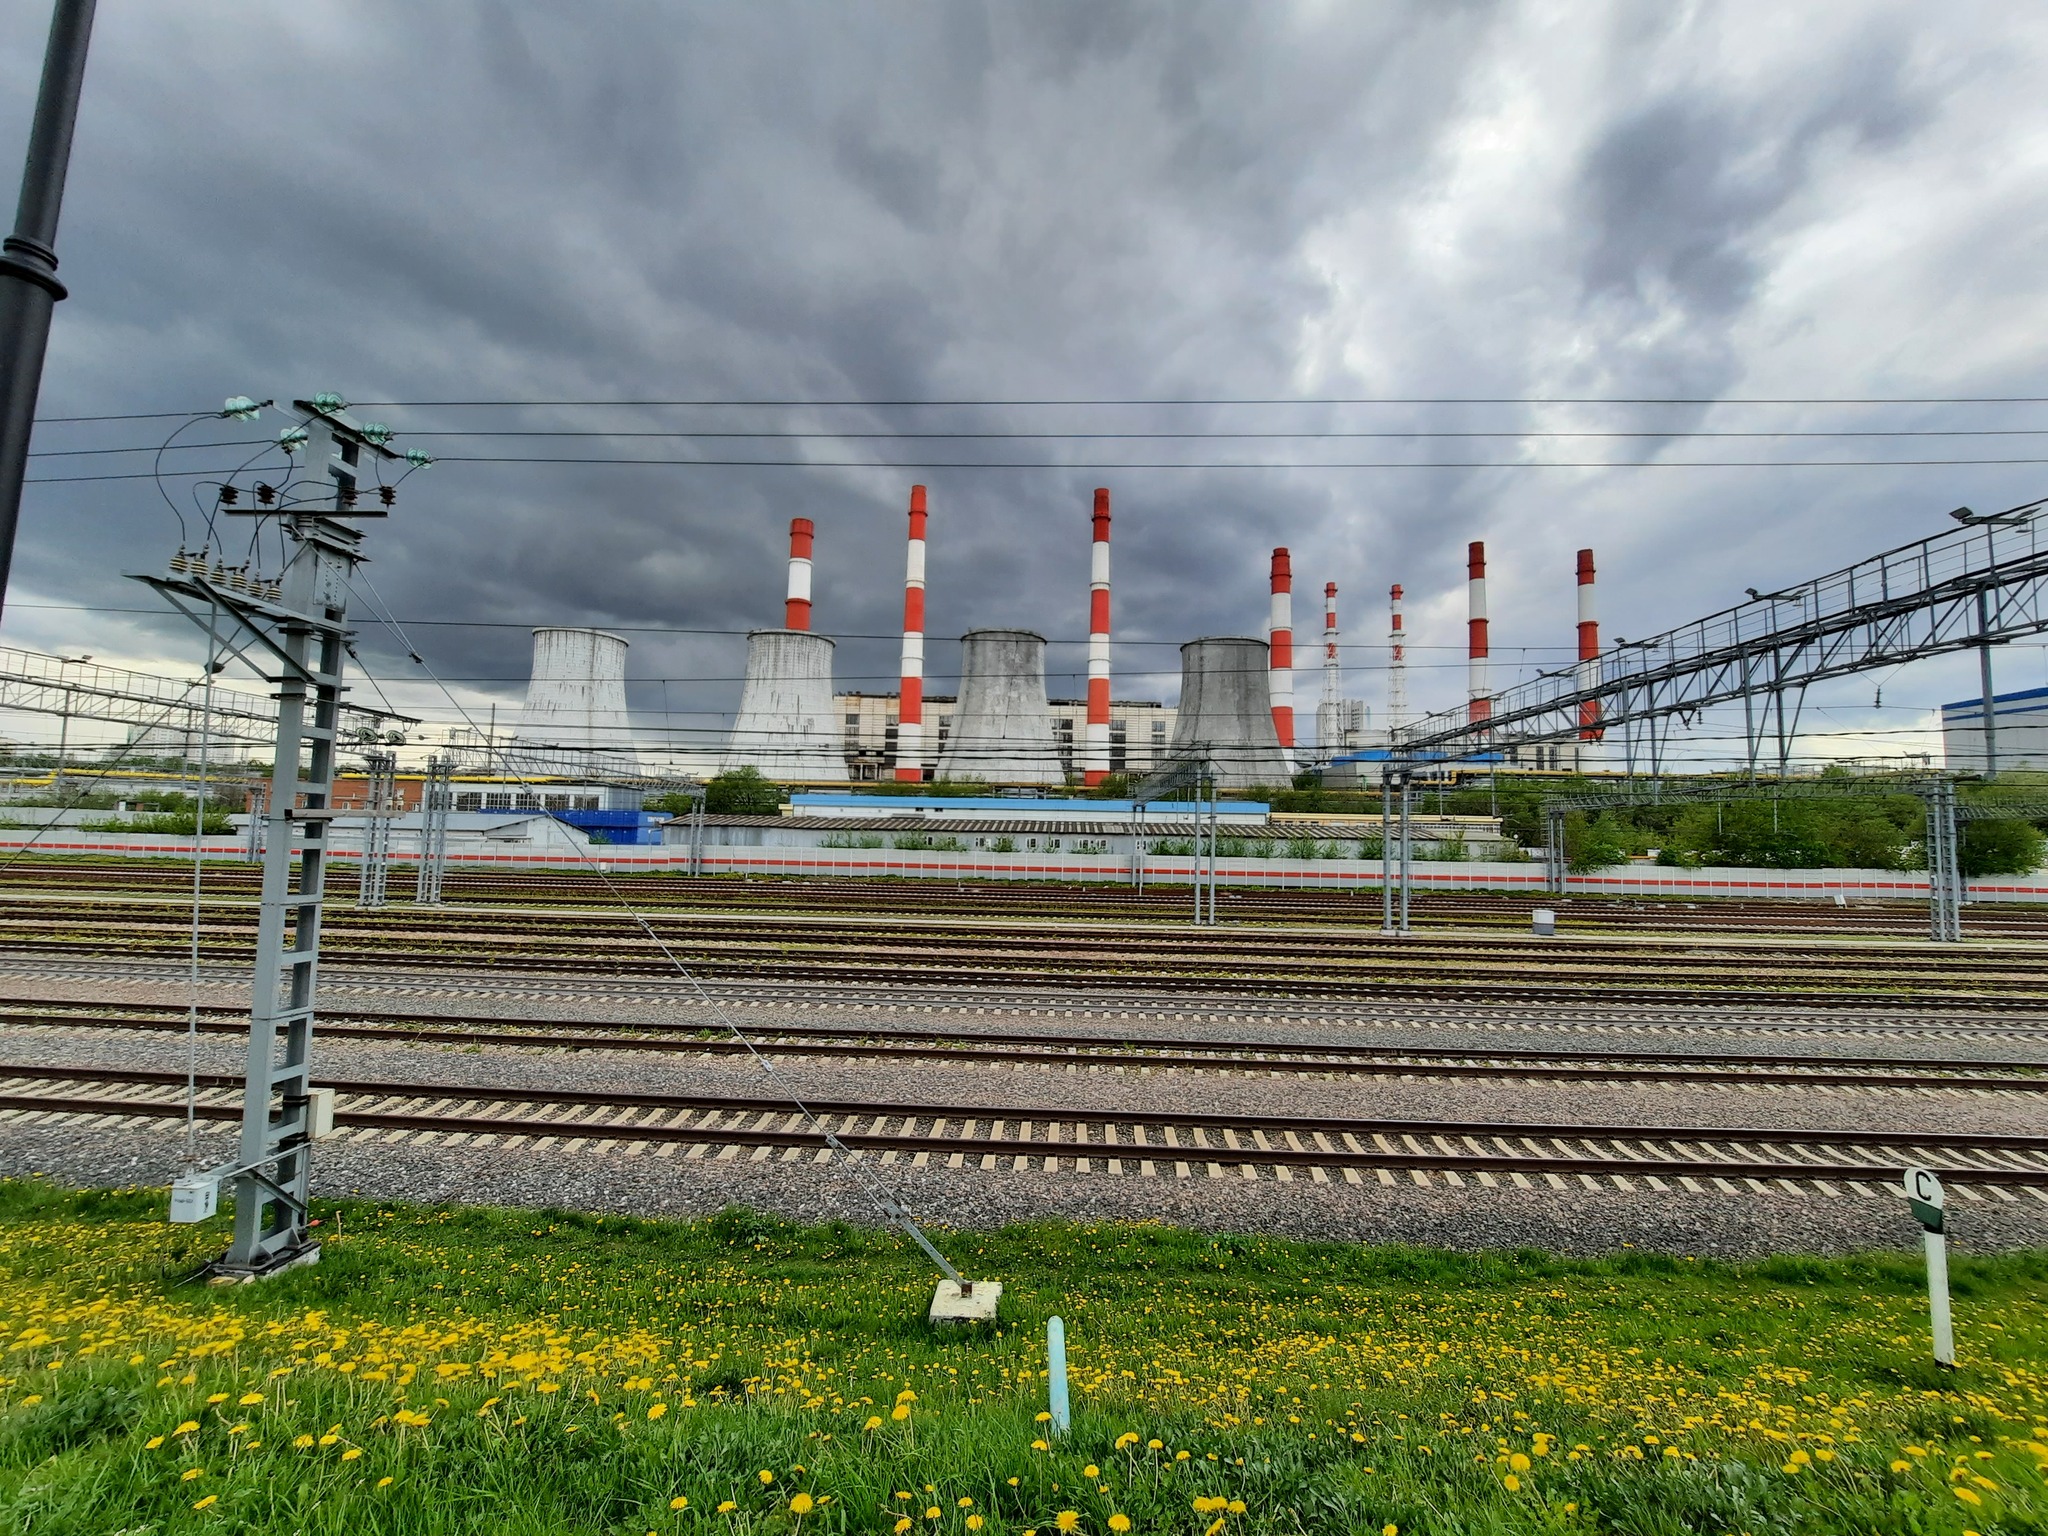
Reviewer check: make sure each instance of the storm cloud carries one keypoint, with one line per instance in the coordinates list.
(1048, 202)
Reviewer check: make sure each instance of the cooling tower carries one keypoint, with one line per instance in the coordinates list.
(785, 726)
(1226, 712)
(1001, 729)
(575, 718)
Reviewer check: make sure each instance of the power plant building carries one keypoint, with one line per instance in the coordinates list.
(575, 722)
(786, 724)
(2019, 729)
(1139, 733)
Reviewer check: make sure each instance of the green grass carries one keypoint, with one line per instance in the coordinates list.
(500, 1371)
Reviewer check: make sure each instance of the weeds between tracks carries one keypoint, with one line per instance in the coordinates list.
(455, 1370)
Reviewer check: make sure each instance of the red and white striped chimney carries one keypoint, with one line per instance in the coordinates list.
(796, 609)
(1589, 650)
(1479, 699)
(910, 704)
(1095, 743)
(1397, 666)
(1333, 671)
(1280, 658)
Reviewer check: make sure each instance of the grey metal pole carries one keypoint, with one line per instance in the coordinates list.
(1984, 672)
(1407, 854)
(1386, 852)
(29, 289)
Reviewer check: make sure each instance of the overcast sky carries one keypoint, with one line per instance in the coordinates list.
(945, 202)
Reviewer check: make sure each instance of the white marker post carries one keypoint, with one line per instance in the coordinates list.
(1923, 1193)
(1056, 1371)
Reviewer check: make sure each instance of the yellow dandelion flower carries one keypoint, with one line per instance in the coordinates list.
(1119, 1523)
(1967, 1495)
(1068, 1520)
(966, 1503)
(975, 1522)
(1044, 1417)
(679, 1502)
(353, 1453)
(802, 1504)
(1214, 1526)
(1518, 1462)
(187, 1427)
(903, 1525)
(932, 1513)
(249, 1399)
(900, 1412)
(874, 1422)
(209, 1500)
(1902, 1465)
(1040, 1445)
(154, 1442)
(656, 1410)
(190, 1473)
(1235, 1506)
(1091, 1472)
(1126, 1440)
(218, 1397)
(1390, 1529)
(383, 1482)
(1512, 1483)
(727, 1507)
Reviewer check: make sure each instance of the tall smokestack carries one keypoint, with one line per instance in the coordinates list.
(910, 711)
(1479, 705)
(1095, 744)
(1397, 667)
(1280, 641)
(1589, 650)
(796, 608)
(1333, 672)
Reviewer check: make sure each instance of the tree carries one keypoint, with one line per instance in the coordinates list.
(742, 792)
(2000, 848)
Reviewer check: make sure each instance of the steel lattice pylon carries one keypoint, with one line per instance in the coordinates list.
(377, 809)
(295, 634)
(437, 796)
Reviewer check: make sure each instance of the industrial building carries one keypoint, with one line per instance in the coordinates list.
(2019, 731)
(1002, 728)
(1139, 731)
(1227, 714)
(785, 725)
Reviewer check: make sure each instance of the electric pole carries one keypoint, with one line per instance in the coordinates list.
(29, 289)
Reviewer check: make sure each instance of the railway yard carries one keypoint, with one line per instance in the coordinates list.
(1702, 1078)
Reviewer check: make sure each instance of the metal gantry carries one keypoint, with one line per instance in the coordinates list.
(297, 639)
(381, 780)
(1397, 849)
(1192, 771)
(1982, 584)
(437, 798)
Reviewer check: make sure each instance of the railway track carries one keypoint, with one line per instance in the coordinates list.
(1018, 1048)
(1903, 919)
(1053, 1139)
(959, 952)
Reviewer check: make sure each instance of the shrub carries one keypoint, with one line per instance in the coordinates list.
(2000, 848)
(1003, 845)
(1301, 847)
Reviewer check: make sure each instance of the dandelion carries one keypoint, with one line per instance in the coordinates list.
(874, 1422)
(154, 1442)
(1068, 1520)
(1390, 1529)
(975, 1522)
(186, 1428)
(1214, 1526)
(801, 1504)
(932, 1513)
(1205, 1505)
(191, 1473)
(1091, 1471)
(383, 1482)
(218, 1397)
(1040, 1445)
(1126, 1440)
(679, 1502)
(1044, 1417)
(353, 1453)
(900, 1412)
(966, 1503)
(903, 1524)
(1119, 1523)
(249, 1399)
(1512, 1483)
(656, 1410)
(1902, 1465)
(1235, 1506)
(210, 1500)
(1967, 1495)
(302, 1442)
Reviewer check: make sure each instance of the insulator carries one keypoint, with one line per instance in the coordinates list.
(388, 494)
(229, 495)
(266, 495)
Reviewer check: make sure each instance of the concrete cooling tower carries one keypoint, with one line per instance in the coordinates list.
(1226, 711)
(785, 726)
(575, 719)
(1002, 730)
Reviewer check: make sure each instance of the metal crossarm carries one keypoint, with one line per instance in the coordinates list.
(1982, 584)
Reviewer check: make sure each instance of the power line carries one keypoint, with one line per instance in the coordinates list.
(1225, 400)
(958, 436)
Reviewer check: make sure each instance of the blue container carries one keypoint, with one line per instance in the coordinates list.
(631, 829)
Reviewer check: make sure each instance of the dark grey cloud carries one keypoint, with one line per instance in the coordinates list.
(811, 201)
